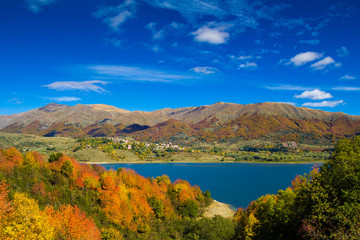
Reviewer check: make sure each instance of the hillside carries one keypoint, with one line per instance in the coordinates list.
(58, 198)
(219, 121)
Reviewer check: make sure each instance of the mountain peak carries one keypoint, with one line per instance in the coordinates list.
(108, 108)
(52, 107)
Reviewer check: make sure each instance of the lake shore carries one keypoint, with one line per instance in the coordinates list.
(220, 177)
(161, 161)
(219, 208)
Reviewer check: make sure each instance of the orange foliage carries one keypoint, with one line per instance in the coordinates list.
(124, 195)
(14, 156)
(71, 223)
(185, 191)
(39, 188)
(6, 166)
(165, 130)
(107, 182)
(5, 206)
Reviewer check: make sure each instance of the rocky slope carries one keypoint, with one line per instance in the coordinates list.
(211, 122)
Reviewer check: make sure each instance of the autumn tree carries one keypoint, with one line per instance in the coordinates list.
(71, 223)
(26, 221)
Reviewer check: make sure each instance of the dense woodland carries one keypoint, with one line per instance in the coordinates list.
(58, 198)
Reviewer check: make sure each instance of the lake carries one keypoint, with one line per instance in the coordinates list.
(236, 184)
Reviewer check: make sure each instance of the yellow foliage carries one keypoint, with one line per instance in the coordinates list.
(26, 221)
(111, 234)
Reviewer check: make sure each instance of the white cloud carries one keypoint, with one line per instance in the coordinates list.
(266, 51)
(115, 42)
(72, 85)
(16, 101)
(288, 88)
(291, 103)
(320, 65)
(216, 35)
(243, 13)
(115, 16)
(245, 57)
(248, 65)
(176, 25)
(138, 74)
(323, 104)
(303, 58)
(65, 99)
(315, 94)
(311, 42)
(153, 47)
(157, 34)
(204, 70)
(36, 5)
(346, 88)
(343, 52)
(347, 77)
(118, 19)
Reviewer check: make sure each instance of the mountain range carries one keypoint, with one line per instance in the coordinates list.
(219, 121)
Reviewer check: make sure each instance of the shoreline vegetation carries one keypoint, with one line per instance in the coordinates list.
(173, 162)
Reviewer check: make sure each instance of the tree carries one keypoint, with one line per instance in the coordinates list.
(6, 207)
(68, 169)
(55, 157)
(189, 208)
(26, 221)
(269, 217)
(216, 228)
(329, 204)
(71, 223)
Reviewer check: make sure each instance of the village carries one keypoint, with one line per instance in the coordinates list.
(157, 146)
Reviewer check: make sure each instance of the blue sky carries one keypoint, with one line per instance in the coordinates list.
(151, 54)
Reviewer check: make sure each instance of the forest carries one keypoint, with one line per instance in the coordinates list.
(57, 198)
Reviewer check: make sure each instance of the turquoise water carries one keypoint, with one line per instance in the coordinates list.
(236, 184)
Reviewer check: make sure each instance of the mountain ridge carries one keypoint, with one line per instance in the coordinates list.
(228, 118)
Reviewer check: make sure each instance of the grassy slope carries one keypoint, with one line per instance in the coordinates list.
(64, 144)
(34, 142)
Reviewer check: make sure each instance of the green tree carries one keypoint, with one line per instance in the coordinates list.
(55, 157)
(67, 169)
(189, 208)
(216, 228)
(329, 205)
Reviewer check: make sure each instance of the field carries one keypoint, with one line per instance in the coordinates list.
(103, 150)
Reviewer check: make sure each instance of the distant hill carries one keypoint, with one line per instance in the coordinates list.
(219, 121)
